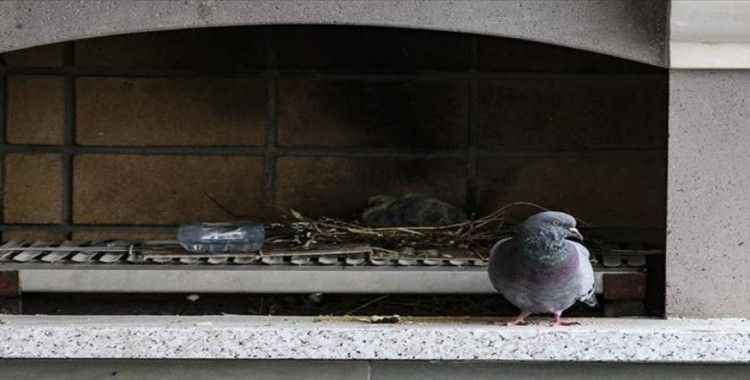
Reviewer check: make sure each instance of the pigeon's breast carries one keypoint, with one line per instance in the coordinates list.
(533, 287)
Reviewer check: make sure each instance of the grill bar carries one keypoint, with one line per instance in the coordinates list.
(167, 252)
(180, 278)
(56, 254)
(116, 266)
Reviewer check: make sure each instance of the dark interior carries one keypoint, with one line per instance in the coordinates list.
(125, 137)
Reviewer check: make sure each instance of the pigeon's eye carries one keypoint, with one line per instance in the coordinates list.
(555, 222)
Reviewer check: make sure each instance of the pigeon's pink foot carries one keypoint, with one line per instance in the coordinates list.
(520, 320)
(557, 321)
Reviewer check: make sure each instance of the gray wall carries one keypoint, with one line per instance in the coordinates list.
(708, 222)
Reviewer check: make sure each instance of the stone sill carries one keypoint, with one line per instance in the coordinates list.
(246, 337)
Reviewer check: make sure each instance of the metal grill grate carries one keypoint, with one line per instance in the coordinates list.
(123, 252)
(161, 267)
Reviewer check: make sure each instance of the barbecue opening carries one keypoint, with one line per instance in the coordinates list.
(111, 143)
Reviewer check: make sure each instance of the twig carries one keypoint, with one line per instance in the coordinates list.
(388, 251)
(345, 250)
(472, 235)
(224, 208)
(368, 304)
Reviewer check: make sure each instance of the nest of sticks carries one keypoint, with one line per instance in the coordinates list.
(476, 236)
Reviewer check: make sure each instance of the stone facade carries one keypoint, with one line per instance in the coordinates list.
(706, 254)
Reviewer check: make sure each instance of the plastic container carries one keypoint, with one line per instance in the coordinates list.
(221, 237)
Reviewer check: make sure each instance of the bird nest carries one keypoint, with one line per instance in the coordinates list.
(476, 236)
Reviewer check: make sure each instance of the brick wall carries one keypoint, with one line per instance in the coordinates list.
(123, 136)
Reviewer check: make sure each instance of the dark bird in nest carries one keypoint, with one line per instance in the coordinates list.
(410, 211)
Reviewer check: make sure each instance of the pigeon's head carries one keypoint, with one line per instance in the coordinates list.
(550, 225)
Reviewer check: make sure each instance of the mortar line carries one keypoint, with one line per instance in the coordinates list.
(68, 137)
(3, 108)
(3, 137)
(472, 191)
(270, 150)
(134, 150)
(320, 151)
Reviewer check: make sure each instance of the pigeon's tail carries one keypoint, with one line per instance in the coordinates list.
(589, 298)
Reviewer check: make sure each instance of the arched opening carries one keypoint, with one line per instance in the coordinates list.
(124, 137)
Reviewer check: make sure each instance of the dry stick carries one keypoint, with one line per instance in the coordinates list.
(368, 304)
(224, 208)
(464, 231)
(494, 216)
(498, 215)
(327, 229)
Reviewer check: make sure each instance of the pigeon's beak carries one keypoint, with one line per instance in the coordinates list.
(575, 233)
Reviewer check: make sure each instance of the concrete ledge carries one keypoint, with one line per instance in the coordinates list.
(226, 337)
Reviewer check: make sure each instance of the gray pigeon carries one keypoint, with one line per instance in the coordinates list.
(540, 271)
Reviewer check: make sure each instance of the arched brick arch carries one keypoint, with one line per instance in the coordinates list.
(627, 29)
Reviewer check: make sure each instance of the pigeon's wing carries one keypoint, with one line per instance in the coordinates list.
(499, 270)
(585, 275)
